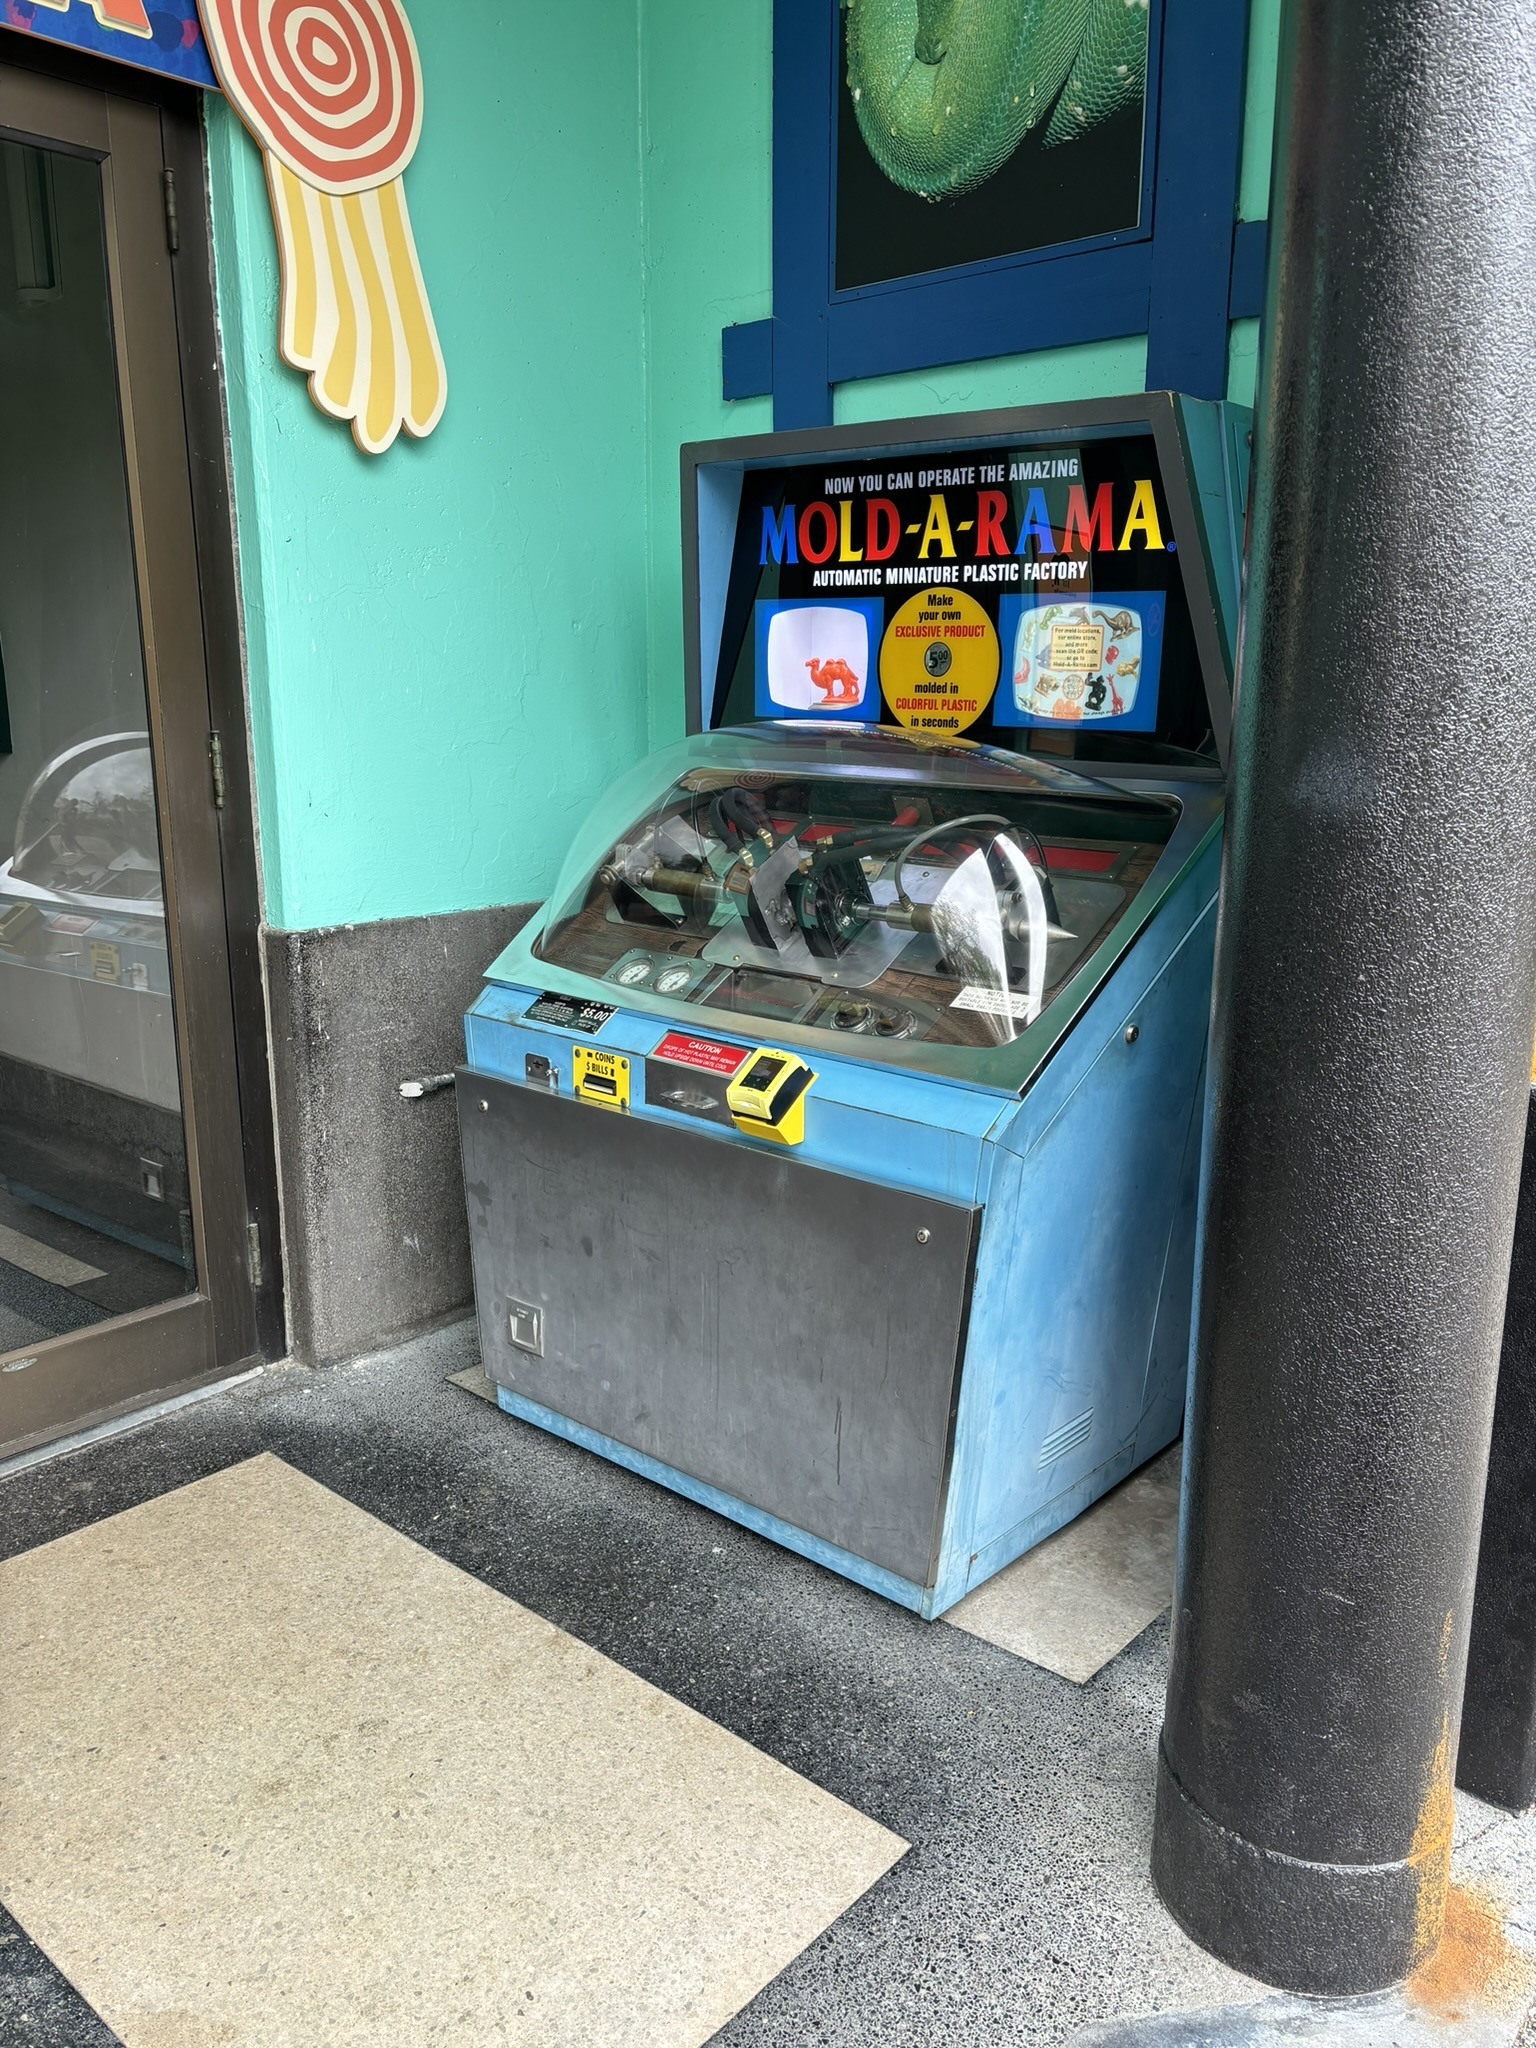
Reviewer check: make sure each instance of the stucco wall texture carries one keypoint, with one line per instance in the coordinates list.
(446, 644)
(452, 649)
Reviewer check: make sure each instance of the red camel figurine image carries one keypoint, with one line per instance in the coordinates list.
(837, 679)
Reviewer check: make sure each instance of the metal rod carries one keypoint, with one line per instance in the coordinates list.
(428, 1084)
(686, 884)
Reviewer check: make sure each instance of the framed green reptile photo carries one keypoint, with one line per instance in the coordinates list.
(970, 131)
(960, 180)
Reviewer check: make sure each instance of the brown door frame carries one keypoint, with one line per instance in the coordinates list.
(165, 343)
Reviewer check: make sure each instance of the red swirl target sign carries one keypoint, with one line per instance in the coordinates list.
(331, 87)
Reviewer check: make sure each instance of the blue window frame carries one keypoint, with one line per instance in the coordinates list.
(1178, 277)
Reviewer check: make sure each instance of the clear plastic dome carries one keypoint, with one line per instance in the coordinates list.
(857, 881)
(87, 827)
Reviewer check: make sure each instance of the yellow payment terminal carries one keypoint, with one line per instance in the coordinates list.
(767, 1097)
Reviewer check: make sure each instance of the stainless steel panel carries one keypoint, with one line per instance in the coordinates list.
(782, 1333)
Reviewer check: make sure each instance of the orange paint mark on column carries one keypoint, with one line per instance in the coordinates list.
(1430, 1850)
(1476, 1969)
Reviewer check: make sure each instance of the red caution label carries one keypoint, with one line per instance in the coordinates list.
(707, 1054)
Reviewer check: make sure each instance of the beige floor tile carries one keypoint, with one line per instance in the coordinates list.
(275, 1777)
(473, 1381)
(42, 1261)
(1076, 1600)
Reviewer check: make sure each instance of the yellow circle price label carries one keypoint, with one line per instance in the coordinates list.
(939, 661)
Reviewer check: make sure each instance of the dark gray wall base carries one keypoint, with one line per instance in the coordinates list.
(373, 1203)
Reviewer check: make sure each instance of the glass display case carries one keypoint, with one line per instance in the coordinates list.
(81, 894)
(865, 884)
(85, 982)
(87, 831)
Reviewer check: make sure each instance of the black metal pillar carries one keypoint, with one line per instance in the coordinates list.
(1374, 1004)
(1497, 1759)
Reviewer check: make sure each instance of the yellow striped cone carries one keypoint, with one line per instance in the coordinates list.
(355, 315)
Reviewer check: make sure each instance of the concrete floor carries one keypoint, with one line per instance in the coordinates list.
(1023, 1911)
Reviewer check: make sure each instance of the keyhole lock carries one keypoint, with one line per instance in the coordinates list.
(1132, 1033)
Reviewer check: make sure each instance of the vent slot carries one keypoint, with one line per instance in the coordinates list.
(1069, 1437)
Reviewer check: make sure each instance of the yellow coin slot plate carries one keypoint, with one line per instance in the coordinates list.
(600, 1076)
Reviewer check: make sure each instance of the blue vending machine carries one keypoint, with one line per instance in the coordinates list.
(831, 1137)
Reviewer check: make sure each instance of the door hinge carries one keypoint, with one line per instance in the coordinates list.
(253, 1254)
(172, 221)
(216, 769)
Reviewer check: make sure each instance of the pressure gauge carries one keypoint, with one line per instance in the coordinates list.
(633, 973)
(673, 980)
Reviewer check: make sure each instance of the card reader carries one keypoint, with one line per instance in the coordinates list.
(767, 1097)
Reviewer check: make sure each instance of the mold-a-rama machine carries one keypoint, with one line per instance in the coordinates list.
(831, 1137)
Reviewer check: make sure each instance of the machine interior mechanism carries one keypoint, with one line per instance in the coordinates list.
(863, 885)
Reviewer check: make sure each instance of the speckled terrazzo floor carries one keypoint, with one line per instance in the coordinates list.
(1022, 1911)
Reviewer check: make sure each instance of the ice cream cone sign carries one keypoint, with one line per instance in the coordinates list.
(331, 89)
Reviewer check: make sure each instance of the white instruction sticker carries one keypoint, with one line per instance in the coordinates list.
(996, 1002)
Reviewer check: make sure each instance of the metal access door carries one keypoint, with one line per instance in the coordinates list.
(123, 1241)
(787, 1335)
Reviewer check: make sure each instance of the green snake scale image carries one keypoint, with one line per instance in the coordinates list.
(946, 90)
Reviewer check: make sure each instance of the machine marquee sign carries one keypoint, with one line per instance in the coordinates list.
(965, 520)
(986, 591)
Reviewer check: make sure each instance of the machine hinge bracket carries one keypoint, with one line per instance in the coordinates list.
(253, 1254)
(172, 222)
(216, 769)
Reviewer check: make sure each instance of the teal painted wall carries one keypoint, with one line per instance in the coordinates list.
(447, 644)
(707, 94)
(453, 648)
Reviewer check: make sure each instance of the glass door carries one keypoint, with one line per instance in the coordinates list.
(121, 1201)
